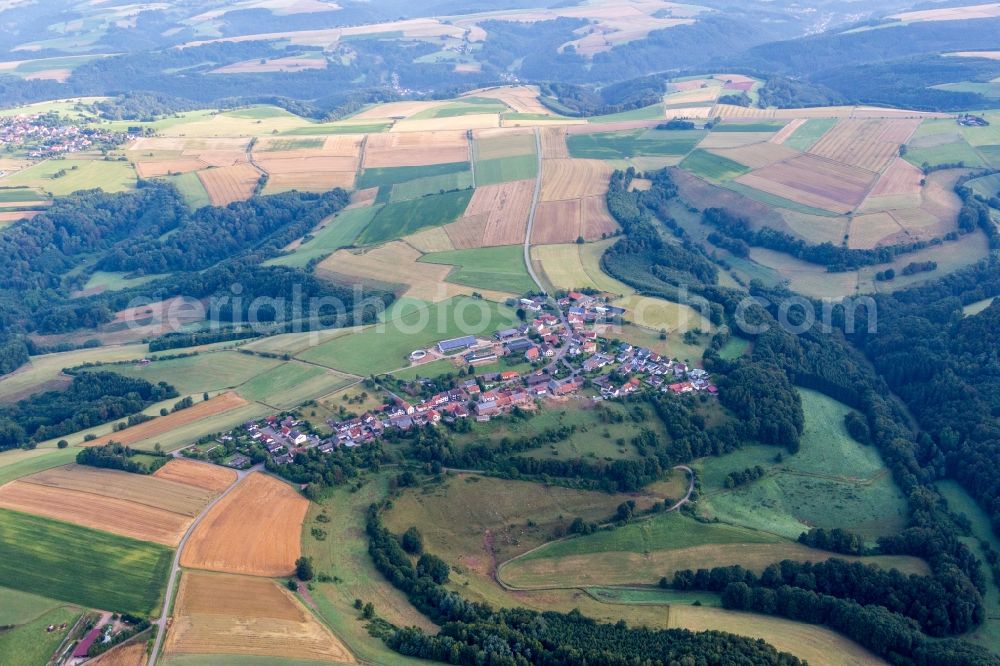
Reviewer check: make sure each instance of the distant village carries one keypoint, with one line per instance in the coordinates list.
(569, 360)
(46, 135)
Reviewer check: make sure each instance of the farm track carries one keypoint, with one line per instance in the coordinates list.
(531, 214)
(175, 567)
(512, 588)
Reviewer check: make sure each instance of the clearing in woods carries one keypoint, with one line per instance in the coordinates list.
(230, 183)
(254, 530)
(240, 615)
(82, 566)
(198, 474)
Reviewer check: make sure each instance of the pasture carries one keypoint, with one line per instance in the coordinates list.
(292, 384)
(254, 530)
(344, 554)
(32, 643)
(831, 481)
(81, 566)
(402, 218)
(59, 177)
(237, 615)
(628, 144)
(385, 347)
(712, 166)
(336, 233)
(928, 151)
(18, 607)
(495, 268)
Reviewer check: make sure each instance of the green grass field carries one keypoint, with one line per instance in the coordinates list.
(506, 169)
(713, 167)
(115, 281)
(426, 370)
(986, 187)
(339, 232)
(82, 566)
(291, 384)
(948, 153)
(392, 175)
(291, 144)
(333, 128)
(497, 268)
(21, 462)
(387, 346)
(79, 175)
(653, 112)
(466, 107)
(191, 189)
(203, 372)
(809, 133)
(651, 596)
(395, 220)
(32, 643)
(344, 554)
(832, 481)
(623, 145)
(991, 154)
(19, 195)
(422, 187)
(17, 607)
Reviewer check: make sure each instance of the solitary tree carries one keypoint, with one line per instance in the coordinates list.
(304, 569)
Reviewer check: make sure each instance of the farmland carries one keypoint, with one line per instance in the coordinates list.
(623, 145)
(497, 268)
(415, 149)
(80, 565)
(574, 266)
(200, 475)
(496, 215)
(225, 614)
(194, 374)
(253, 530)
(386, 347)
(813, 181)
(713, 166)
(293, 383)
(506, 169)
(340, 231)
(59, 177)
(229, 183)
(403, 218)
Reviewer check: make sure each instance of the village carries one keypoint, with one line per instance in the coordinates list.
(569, 359)
(45, 135)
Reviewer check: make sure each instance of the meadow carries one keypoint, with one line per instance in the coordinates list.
(575, 266)
(623, 145)
(293, 383)
(17, 607)
(497, 268)
(944, 153)
(32, 643)
(81, 566)
(385, 347)
(202, 372)
(191, 188)
(832, 481)
(713, 167)
(402, 218)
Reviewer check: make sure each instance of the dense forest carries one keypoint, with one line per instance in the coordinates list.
(92, 398)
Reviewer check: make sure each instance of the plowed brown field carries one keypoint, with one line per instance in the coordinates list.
(241, 615)
(256, 529)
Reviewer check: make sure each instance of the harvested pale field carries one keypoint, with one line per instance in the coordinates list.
(255, 66)
(198, 474)
(434, 239)
(415, 149)
(133, 654)
(554, 143)
(14, 216)
(736, 140)
(872, 230)
(503, 142)
(158, 143)
(298, 161)
(725, 111)
(397, 110)
(469, 122)
(691, 84)
(504, 206)
(869, 144)
(574, 179)
(694, 96)
(228, 184)
(255, 529)
(556, 222)
(813, 181)
(882, 112)
(310, 181)
(163, 424)
(975, 11)
(596, 222)
(396, 265)
(689, 113)
(155, 168)
(240, 615)
(757, 155)
(109, 514)
(362, 198)
(153, 491)
(900, 178)
(816, 229)
(813, 643)
(521, 99)
(787, 130)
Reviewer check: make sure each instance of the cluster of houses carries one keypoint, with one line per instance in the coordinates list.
(282, 439)
(47, 136)
(644, 366)
(969, 120)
